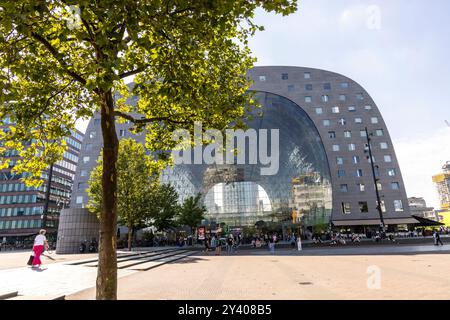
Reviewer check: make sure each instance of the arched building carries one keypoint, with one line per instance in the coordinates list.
(324, 174)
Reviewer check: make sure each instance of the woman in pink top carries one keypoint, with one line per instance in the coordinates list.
(40, 243)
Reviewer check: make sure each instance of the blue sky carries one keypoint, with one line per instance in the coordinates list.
(398, 50)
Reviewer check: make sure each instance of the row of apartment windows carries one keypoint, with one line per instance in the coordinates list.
(327, 98)
(15, 187)
(22, 198)
(58, 179)
(72, 143)
(343, 121)
(20, 224)
(28, 211)
(362, 187)
(66, 165)
(364, 208)
(307, 75)
(352, 147)
(348, 134)
(337, 109)
(341, 173)
(70, 156)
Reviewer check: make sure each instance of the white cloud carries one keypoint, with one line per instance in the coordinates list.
(420, 159)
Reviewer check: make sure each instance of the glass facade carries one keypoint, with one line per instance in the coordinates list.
(297, 197)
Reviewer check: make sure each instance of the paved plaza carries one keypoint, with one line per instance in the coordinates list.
(388, 272)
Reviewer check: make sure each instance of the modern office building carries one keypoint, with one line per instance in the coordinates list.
(324, 177)
(418, 207)
(22, 208)
(442, 182)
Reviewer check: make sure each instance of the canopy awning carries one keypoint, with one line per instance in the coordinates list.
(425, 222)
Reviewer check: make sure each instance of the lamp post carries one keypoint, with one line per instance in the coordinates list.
(47, 196)
(375, 180)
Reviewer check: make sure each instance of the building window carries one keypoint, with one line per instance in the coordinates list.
(351, 109)
(86, 159)
(79, 199)
(351, 147)
(374, 120)
(344, 85)
(342, 122)
(363, 207)
(331, 134)
(341, 173)
(307, 75)
(361, 187)
(379, 186)
(308, 87)
(346, 207)
(391, 172)
(291, 88)
(88, 147)
(383, 206)
(398, 205)
(319, 110)
(325, 98)
(262, 78)
(83, 173)
(92, 134)
(339, 160)
(355, 159)
(359, 96)
(326, 123)
(284, 76)
(387, 158)
(379, 132)
(344, 188)
(347, 134)
(122, 133)
(308, 99)
(358, 120)
(327, 86)
(96, 122)
(395, 186)
(367, 107)
(359, 173)
(335, 109)
(335, 147)
(342, 97)
(383, 145)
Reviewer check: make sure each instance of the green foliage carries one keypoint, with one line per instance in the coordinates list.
(137, 178)
(164, 207)
(192, 212)
(61, 59)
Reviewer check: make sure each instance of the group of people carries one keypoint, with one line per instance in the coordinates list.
(215, 243)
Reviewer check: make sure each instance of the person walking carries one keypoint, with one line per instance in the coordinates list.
(40, 244)
(438, 239)
(230, 243)
(299, 243)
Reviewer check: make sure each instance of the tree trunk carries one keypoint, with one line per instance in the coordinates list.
(107, 259)
(130, 237)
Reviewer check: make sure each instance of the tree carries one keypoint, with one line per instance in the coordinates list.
(61, 60)
(192, 212)
(164, 207)
(137, 177)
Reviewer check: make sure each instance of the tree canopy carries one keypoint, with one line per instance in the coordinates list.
(61, 60)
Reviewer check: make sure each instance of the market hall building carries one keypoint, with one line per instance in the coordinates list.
(324, 179)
